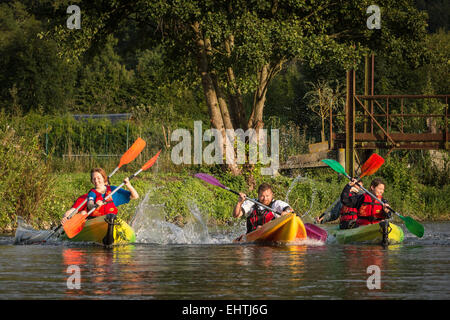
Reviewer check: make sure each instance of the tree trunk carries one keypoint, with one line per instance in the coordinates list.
(218, 109)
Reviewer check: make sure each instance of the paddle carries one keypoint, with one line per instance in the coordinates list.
(73, 226)
(312, 230)
(129, 155)
(412, 225)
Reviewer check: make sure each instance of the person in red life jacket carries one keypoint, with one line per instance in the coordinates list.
(369, 211)
(102, 189)
(82, 210)
(257, 215)
(347, 215)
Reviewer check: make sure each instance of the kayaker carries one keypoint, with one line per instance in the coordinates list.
(369, 211)
(102, 189)
(257, 215)
(347, 215)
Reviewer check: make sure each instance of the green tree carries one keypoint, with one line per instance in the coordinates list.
(235, 49)
(32, 77)
(322, 99)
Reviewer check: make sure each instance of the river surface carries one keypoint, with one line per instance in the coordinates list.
(175, 263)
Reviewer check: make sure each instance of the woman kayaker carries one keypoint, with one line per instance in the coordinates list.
(102, 189)
(257, 215)
(369, 211)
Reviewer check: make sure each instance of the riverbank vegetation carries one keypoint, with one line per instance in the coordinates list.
(246, 65)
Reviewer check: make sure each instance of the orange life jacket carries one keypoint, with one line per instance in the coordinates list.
(370, 211)
(107, 208)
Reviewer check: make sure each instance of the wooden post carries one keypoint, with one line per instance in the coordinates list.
(350, 124)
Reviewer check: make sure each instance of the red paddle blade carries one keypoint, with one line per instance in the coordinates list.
(371, 165)
(151, 161)
(132, 152)
(74, 225)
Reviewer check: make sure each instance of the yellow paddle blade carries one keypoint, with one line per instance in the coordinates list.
(74, 225)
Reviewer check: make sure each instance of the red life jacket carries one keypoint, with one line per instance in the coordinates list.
(80, 201)
(258, 217)
(370, 211)
(348, 213)
(107, 208)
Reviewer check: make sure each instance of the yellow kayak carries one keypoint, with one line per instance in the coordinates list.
(286, 228)
(99, 230)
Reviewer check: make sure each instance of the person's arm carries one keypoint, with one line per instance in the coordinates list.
(238, 211)
(352, 201)
(134, 193)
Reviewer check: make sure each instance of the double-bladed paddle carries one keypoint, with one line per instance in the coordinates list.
(312, 231)
(73, 226)
(129, 155)
(412, 225)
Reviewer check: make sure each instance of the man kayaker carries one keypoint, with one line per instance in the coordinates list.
(257, 215)
(369, 211)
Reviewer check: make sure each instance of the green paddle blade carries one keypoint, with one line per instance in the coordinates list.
(336, 166)
(413, 226)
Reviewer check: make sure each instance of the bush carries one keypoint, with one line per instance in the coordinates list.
(26, 179)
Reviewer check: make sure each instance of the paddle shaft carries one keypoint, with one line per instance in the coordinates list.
(253, 200)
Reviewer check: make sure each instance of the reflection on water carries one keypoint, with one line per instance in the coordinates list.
(416, 269)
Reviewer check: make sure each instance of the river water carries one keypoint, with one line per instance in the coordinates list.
(197, 263)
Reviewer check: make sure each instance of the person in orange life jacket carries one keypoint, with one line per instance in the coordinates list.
(257, 215)
(369, 211)
(346, 214)
(102, 189)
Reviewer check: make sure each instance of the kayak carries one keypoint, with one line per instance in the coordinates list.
(105, 232)
(286, 228)
(372, 233)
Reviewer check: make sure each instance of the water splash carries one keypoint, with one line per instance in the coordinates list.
(313, 195)
(151, 227)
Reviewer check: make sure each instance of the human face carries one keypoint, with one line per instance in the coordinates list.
(265, 197)
(378, 190)
(97, 180)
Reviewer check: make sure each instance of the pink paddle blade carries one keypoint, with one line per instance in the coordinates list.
(316, 233)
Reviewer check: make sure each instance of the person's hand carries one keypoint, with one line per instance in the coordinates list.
(318, 219)
(242, 197)
(64, 220)
(99, 203)
(127, 182)
(287, 211)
